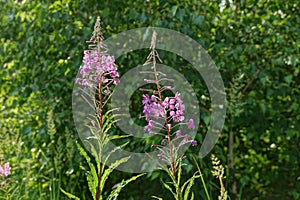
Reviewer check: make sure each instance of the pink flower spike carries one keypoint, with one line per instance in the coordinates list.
(191, 124)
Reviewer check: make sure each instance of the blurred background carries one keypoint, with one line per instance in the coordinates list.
(254, 43)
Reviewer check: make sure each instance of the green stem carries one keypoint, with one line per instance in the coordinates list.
(202, 180)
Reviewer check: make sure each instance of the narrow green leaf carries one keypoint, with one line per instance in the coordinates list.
(192, 196)
(168, 187)
(94, 153)
(189, 183)
(71, 196)
(113, 151)
(115, 193)
(179, 174)
(157, 198)
(107, 172)
(92, 184)
(202, 179)
(171, 175)
(92, 178)
(114, 137)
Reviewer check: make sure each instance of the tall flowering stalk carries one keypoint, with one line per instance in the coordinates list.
(164, 116)
(97, 74)
(99, 70)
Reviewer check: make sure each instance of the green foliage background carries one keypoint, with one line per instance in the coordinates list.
(255, 44)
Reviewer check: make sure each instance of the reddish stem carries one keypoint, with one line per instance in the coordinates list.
(98, 191)
(165, 117)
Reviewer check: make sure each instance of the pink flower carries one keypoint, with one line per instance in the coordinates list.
(160, 156)
(191, 124)
(172, 101)
(116, 81)
(178, 133)
(165, 102)
(153, 98)
(5, 171)
(181, 118)
(146, 99)
(194, 143)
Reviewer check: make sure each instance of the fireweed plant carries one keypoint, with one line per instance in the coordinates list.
(99, 73)
(164, 116)
(4, 172)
